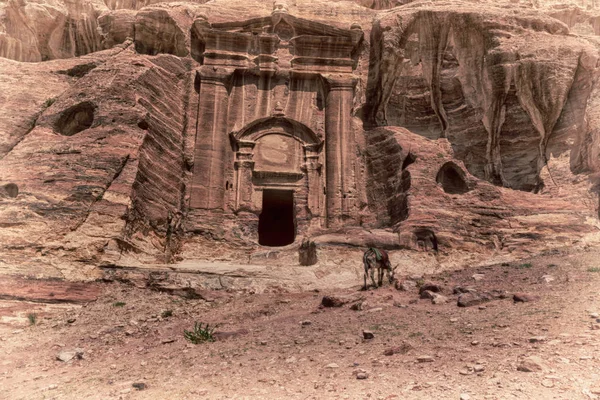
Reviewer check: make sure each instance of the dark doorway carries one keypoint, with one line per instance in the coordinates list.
(276, 221)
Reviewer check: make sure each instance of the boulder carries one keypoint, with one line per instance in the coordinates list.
(524, 297)
(404, 348)
(339, 301)
(66, 356)
(439, 299)
(472, 299)
(405, 285)
(531, 364)
(431, 287)
(368, 335)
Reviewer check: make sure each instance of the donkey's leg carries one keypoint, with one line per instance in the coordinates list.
(380, 274)
(366, 271)
(372, 270)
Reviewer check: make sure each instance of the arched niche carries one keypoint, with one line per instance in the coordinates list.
(277, 125)
(277, 145)
(452, 178)
(277, 165)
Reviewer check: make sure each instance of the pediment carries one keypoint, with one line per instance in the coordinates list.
(301, 27)
(257, 41)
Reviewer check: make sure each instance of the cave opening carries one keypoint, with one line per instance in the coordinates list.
(452, 179)
(276, 223)
(426, 240)
(11, 190)
(76, 119)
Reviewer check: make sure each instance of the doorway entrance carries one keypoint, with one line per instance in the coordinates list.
(276, 223)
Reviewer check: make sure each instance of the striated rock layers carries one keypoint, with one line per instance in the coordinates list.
(239, 131)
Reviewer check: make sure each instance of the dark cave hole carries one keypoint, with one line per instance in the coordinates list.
(75, 119)
(276, 225)
(405, 181)
(198, 47)
(11, 189)
(452, 179)
(409, 159)
(143, 125)
(426, 240)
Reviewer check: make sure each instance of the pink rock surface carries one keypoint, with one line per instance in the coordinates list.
(190, 130)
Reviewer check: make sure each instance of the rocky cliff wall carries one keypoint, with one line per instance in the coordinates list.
(494, 85)
(99, 165)
(477, 125)
(431, 199)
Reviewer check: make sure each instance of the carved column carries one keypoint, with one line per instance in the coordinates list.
(312, 168)
(243, 170)
(339, 145)
(208, 183)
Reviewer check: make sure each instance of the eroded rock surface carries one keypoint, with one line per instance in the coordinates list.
(161, 133)
(493, 83)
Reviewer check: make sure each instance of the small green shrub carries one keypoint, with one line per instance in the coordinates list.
(49, 102)
(594, 269)
(527, 265)
(119, 304)
(167, 313)
(201, 333)
(32, 317)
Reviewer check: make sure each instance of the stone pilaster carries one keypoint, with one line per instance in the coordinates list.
(243, 170)
(208, 184)
(339, 145)
(312, 167)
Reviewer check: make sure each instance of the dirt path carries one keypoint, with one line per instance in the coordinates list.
(288, 347)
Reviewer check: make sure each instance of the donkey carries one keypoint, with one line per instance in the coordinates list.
(377, 259)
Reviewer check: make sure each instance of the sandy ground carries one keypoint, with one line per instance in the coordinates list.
(288, 347)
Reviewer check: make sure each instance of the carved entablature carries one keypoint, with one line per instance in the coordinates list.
(278, 40)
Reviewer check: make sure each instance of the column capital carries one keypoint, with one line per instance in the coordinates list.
(244, 163)
(214, 74)
(311, 165)
(248, 144)
(313, 147)
(340, 81)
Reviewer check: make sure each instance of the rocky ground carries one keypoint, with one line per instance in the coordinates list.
(129, 343)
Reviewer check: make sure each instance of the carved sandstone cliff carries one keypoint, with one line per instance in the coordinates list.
(235, 130)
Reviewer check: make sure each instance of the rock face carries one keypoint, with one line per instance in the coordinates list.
(202, 130)
(505, 101)
(38, 31)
